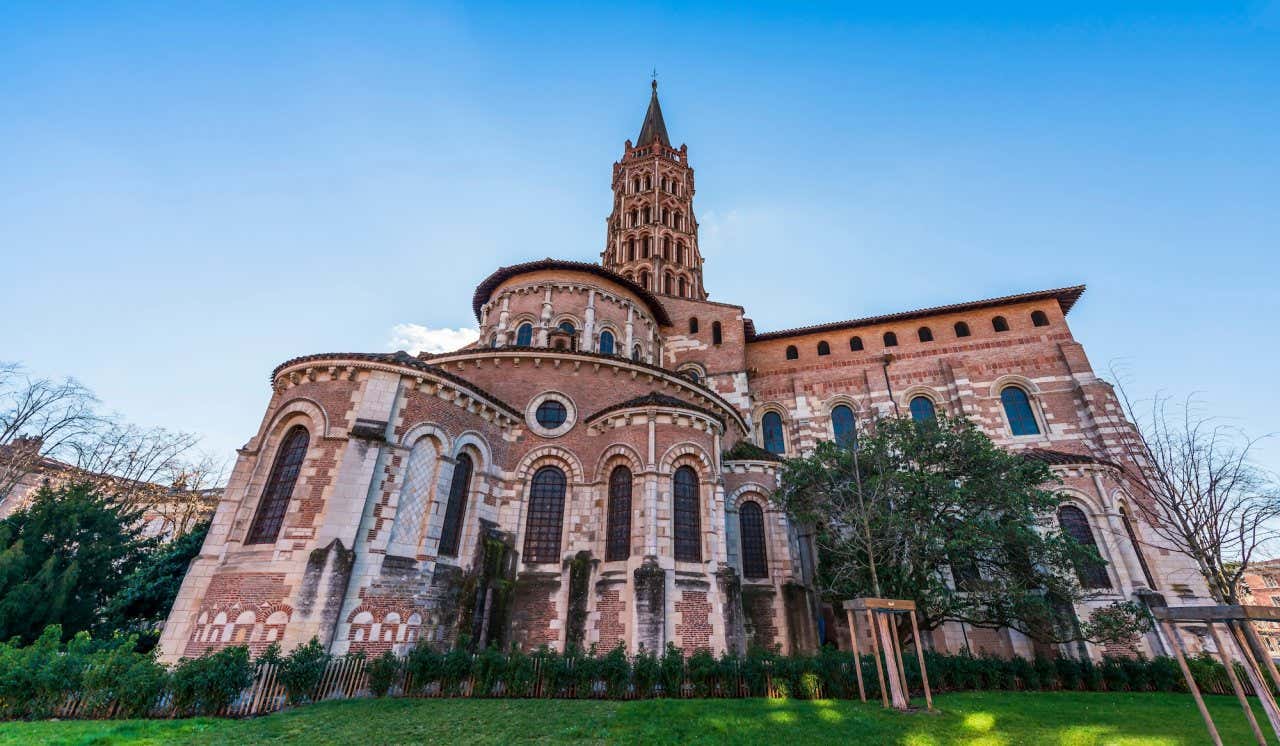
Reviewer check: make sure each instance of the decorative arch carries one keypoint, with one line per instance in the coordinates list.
(427, 429)
(687, 453)
(550, 455)
(920, 390)
(618, 454)
(748, 491)
(1013, 380)
(301, 405)
(477, 445)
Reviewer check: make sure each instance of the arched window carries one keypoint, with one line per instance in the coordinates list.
(792, 353)
(824, 348)
(1038, 318)
(925, 334)
(668, 283)
(635, 353)
(645, 246)
(606, 342)
(415, 488)
(524, 335)
(691, 374)
(755, 560)
(631, 249)
(716, 337)
(683, 287)
(922, 409)
(546, 516)
(568, 328)
(279, 490)
(635, 185)
(1091, 571)
(1017, 408)
(647, 214)
(456, 510)
(855, 344)
(771, 430)
(644, 280)
(962, 329)
(666, 243)
(890, 339)
(679, 248)
(693, 325)
(618, 536)
(999, 324)
(843, 426)
(685, 509)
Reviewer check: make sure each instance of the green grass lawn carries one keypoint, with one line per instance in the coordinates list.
(978, 719)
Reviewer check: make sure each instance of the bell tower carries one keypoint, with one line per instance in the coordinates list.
(652, 235)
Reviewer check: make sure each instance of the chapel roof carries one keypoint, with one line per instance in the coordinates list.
(1066, 298)
(485, 289)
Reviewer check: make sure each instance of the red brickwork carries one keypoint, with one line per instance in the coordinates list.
(694, 630)
(611, 608)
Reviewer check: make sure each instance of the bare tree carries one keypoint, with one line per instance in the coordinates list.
(1194, 483)
(39, 417)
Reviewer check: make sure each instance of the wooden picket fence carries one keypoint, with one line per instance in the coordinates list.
(346, 678)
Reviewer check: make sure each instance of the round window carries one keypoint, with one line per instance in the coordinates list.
(551, 414)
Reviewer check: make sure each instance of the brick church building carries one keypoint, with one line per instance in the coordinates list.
(596, 469)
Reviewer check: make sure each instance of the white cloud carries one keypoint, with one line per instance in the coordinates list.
(415, 338)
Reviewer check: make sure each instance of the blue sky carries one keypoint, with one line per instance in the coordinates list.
(191, 194)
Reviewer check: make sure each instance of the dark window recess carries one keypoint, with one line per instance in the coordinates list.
(962, 329)
(618, 542)
(1038, 318)
(688, 527)
(1091, 571)
(890, 339)
(716, 336)
(1017, 407)
(855, 344)
(551, 414)
(925, 334)
(1000, 324)
(843, 426)
(546, 516)
(824, 348)
(755, 559)
(792, 353)
(922, 409)
(279, 490)
(693, 325)
(456, 510)
(771, 429)
(524, 335)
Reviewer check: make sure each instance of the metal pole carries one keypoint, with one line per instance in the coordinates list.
(924, 675)
(1172, 633)
(1235, 683)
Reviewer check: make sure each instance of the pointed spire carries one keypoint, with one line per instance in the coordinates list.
(654, 129)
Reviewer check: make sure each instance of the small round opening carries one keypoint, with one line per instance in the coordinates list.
(551, 414)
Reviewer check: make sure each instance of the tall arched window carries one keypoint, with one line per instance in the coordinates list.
(771, 432)
(618, 536)
(606, 342)
(1038, 318)
(693, 325)
(456, 510)
(524, 335)
(636, 354)
(683, 286)
(890, 339)
(631, 249)
(685, 509)
(546, 516)
(922, 409)
(755, 559)
(645, 247)
(1017, 408)
(925, 334)
(843, 426)
(855, 344)
(1000, 324)
(792, 353)
(1091, 571)
(279, 490)
(962, 329)
(824, 348)
(716, 336)
(668, 284)
(666, 242)
(644, 280)
(419, 475)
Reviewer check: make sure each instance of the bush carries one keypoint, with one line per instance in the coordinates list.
(207, 685)
(425, 665)
(383, 672)
(646, 672)
(671, 671)
(36, 679)
(117, 673)
(301, 671)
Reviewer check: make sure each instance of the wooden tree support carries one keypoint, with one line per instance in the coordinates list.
(1240, 645)
(880, 615)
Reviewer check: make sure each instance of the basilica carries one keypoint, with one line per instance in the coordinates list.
(596, 469)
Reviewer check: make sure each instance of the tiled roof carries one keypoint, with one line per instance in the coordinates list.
(1066, 298)
(485, 289)
(654, 399)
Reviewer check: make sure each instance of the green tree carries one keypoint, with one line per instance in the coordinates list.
(62, 559)
(937, 513)
(150, 590)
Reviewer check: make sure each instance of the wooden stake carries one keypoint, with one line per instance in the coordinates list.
(1172, 633)
(1254, 672)
(875, 654)
(1235, 683)
(924, 675)
(857, 653)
